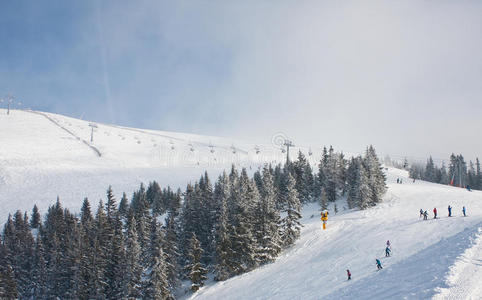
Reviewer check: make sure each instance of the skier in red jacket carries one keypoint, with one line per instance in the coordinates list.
(348, 274)
(435, 213)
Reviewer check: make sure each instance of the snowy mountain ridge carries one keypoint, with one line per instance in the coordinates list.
(45, 155)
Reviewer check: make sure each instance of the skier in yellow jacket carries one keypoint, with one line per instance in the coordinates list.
(324, 218)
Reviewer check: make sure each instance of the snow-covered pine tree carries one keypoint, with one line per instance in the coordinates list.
(267, 229)
(133, 270)
(35, 219)
(376, 177)
(171, 249)
(291, 222)
(156, 285)
(8, 284)
(224, 266)
(208, 217)
(478, 175)
(99, 255)
(116, 262)
(39, 275)
(429, 174)
(471, 177)
(351, 180)
(363, 196)
(197, 273)
(154, 198)
(323, 199)
(331, 176)
(123, 206)
(242, 240)
(298, 173)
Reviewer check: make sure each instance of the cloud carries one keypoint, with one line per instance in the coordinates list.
(404, 76)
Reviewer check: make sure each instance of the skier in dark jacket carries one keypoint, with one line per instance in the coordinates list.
(379, 264)
(421, 213)
(348, 274)
(425, 215)
(450, 210)
(463, 211)
(387, 252)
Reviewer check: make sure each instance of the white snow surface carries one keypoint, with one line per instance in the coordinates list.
(45, 155)
(438, 258)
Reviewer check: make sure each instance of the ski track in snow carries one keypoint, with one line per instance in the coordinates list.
(96, 151)
(464, 279)
(434, 258)
(422, 251)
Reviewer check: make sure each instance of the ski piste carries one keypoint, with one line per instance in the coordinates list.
(424, 252)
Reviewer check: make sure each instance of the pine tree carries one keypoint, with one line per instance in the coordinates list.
(267, 218)
(39, 272)
(9, 284)
(430, 170)
(116, 262)
(171, 249)
(291, 222)
(35, 220)
(99, 255)
(478, 175)
(197, 273)
(157, 286)
(376, 177)
(224, 264)
(133, 268)
(85, 212)
(364, 192)
(154, 198)
(242, 239)
(123, 206)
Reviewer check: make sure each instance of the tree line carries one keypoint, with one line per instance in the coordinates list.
(146, 246)
(457, 173)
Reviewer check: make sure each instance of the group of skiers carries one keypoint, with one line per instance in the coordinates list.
(424, 214)
(388, 251)
(399, 180)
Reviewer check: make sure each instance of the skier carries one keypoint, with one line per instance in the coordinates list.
(388, 243)
(421, 213)
(387, 252)
(379, 264)
(398, 180)
(450, 210)
(425, 215)
(435, 213)
(463, 210)
(348, 274)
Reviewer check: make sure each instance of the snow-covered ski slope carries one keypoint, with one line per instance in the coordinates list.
(435, 258)
(45, 155)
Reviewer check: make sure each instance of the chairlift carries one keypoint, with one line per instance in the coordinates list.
(310, 153)
(256, 148)
(212, 148)
(233, 149)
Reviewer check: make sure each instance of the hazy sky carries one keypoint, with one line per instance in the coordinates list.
(405, 76)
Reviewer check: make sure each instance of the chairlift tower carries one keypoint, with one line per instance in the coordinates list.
(9, 101)
(92, 125)
(288, 144)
